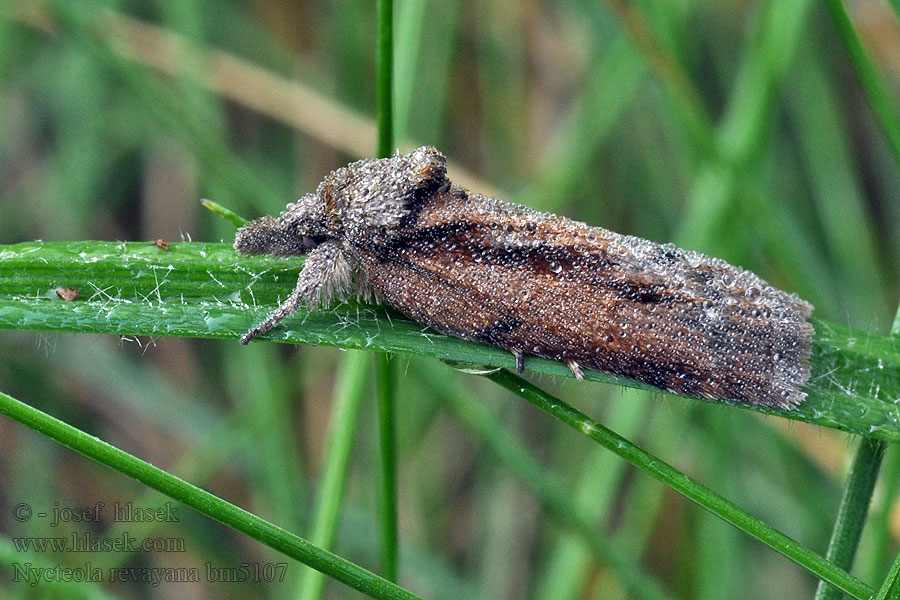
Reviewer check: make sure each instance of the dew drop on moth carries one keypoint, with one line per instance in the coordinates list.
(534, 283)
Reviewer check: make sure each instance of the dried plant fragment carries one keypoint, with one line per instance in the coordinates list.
(68, 294)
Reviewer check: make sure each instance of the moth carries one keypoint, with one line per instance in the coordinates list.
(538, 284)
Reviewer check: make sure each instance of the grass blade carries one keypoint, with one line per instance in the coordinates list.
(201, 500)
(683, 484)
(207, 290)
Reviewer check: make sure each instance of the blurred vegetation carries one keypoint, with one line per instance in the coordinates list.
(738, 129)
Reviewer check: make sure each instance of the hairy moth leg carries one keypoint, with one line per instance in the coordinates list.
(326, 274)
(520, 360)
(576, 369)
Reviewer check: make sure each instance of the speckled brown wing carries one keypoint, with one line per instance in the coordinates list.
(489, 271)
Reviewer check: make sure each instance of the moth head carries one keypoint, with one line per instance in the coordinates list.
(299, 229)
(364, 198)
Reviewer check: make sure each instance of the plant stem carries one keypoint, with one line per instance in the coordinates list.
(882, 540)
(680, 482)
(212, 506)
(333, 480)
(387, 436)
(226, 213)
(881, 530)
(854, 508)
(385, 77)
(553, 496)
(384, 372)
(890, 589)
(852, 513)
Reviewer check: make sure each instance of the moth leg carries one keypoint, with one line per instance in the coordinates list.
(520, 360)
(325, 275)
(576, 369)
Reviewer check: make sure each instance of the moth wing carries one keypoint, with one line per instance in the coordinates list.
(498, 273)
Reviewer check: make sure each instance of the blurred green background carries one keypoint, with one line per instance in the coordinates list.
(739, 129)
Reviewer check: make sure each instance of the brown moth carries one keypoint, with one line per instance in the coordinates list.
(535, 283)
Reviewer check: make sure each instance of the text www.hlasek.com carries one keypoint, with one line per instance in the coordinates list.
(88, 542)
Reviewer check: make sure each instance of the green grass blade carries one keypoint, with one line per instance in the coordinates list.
(385, 77)
(207, 290)
(881, 530)
(611, 86)
(883, 105)
(680, 482)
(853, 511)
(552, 494)
(386, 382)
(201, 500)
(839, 197)
(890, 590)
(10, 557)
(226, 213)
(200, 130)
(384, 374)
(333, 482)
(604, 494)
(686, 99)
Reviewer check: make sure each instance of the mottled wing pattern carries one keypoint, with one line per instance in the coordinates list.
(490, 271)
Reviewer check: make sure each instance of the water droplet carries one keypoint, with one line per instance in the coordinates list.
(555, 266)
